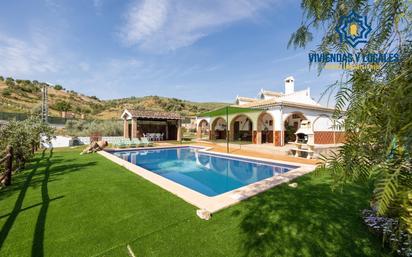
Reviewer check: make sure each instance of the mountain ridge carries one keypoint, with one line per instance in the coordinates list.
(24, 96)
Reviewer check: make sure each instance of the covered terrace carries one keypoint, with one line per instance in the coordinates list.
(138, 123)
(240, 124)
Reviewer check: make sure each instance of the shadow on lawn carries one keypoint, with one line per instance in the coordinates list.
(19, 202)
(37, 248)
(310, 220)
(23, 185)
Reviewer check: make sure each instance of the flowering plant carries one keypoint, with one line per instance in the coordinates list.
(390, 231)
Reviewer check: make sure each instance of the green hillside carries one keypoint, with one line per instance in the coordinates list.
(24, 96)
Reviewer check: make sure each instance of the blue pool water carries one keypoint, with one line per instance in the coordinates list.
(206, 173)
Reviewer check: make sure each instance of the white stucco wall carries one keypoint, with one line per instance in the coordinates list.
(64, 141)
(323, 123)
(277, 116)
(240, 102)
(319, 120)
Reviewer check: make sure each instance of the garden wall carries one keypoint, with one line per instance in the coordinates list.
(65, 141)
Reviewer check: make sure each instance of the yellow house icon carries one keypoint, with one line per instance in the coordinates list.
(353, 29)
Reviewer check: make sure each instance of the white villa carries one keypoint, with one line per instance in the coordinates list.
(272, 117)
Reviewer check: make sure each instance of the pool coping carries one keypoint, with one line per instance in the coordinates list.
(212, 204)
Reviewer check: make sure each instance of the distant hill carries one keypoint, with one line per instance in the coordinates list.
(24, 96)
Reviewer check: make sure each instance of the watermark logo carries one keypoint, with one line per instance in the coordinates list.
(353, 29)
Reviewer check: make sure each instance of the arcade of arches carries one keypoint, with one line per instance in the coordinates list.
(262, 128)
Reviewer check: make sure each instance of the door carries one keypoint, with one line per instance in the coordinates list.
(236, 130)
(172, 132)
(264, 136)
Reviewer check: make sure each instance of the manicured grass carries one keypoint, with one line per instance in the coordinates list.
(72, 205)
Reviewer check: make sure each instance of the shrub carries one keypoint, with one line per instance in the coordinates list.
(290, 133)
(58, 87)
(10, 83)
(25, 137)
(62, 106)
(6, 92)
(87, 128)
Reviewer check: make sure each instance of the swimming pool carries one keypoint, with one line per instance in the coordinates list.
(207, 173)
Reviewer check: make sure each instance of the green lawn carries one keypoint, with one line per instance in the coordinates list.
(72, 205)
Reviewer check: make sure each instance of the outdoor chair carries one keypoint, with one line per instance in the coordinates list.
(116, 143)
(137, 142)
(146, 142)
(122, 144)
(131, 143)
(157, 137)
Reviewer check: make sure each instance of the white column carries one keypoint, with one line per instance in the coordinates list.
(179, 130)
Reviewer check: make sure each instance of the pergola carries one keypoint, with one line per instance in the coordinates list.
(239, 123)
(273, 122)
(138, 122)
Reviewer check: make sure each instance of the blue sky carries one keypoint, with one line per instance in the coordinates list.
(197, 50)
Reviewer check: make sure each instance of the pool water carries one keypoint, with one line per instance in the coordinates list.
(206, 173)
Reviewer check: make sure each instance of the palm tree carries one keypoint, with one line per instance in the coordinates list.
(376, 103)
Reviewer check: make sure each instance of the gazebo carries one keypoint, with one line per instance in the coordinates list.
(138, 122)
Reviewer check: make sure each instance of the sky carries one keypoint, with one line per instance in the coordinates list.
(196, 50)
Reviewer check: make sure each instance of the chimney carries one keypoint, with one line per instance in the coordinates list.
(289, 85)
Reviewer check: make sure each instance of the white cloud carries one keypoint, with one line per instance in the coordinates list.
(161, 25)
(23, 58)
(84, 66)
(97, 4)
(53, 5)
(145, 19)
(288, 58)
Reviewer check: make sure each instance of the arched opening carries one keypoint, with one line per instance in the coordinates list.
(203, 130)
(265, 128)
(218, 129)
(241, 128)
(291, 125)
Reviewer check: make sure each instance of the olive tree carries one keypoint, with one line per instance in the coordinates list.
(24, 136)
